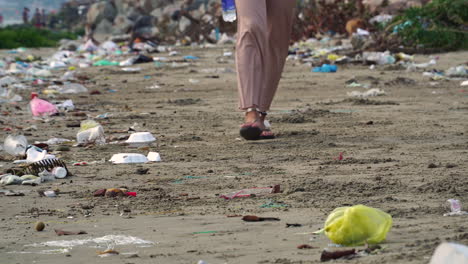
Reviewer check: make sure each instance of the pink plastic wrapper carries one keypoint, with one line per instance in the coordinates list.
(41, 107)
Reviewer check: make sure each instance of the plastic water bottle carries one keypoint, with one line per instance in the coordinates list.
(229, 10)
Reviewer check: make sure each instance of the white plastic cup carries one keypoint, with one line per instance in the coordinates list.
(50, 194)
(59, 172)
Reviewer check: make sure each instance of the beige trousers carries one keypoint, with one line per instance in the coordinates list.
(263, 35)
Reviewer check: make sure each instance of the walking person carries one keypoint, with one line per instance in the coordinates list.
(43, 18)
(264, 29)
(26, 15)
(37, 18)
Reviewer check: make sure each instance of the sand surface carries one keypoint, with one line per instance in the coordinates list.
(388, 143)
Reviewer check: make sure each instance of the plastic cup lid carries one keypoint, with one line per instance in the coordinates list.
(59, 172)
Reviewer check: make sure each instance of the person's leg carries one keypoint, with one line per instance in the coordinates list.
(251, 50)
(280, 14)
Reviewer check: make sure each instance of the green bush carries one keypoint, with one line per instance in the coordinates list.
(441, 24)
(26, 36)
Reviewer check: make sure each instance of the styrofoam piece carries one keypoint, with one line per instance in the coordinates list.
(126, 158)
(450, 253)
(140, 139)
(154, 157)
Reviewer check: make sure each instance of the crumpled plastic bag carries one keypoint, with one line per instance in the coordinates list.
(357, 225)
(91, 132)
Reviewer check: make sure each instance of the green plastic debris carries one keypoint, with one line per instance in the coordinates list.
(105, 63)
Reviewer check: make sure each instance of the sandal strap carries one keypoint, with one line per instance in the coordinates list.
(252, 109)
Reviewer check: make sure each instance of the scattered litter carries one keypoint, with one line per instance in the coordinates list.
(90, 132)
(272, 204)
(131, 69)
(455, 208)
(50, 194)
(44, 165)
(126, 158)
(380, 58)
(252, 192)
(34, 154)
(205, 232)
(118, 240)
(10, 180)
(330, 255)
(253, 218)
(11, 193)
(325, 68)
(113, 192)
(293, 225)
(15, 145)
(72, 88)
(60, 232)
(107, 253)
(369, 93)
(66, 106)
(190, 57)
(305, 246)
(340, 157)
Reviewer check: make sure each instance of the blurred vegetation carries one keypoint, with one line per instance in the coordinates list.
(27, 36)
(441, 24)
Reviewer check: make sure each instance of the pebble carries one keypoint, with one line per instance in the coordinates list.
(39, 226)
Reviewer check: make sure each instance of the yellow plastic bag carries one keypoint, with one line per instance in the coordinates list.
(88, 124)
(357, 225)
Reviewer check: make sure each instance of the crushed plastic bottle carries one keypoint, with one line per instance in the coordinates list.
(229, 10)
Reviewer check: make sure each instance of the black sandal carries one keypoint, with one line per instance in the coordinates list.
(250, 131)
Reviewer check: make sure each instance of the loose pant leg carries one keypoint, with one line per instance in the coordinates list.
(280, 17)
(251, 51)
